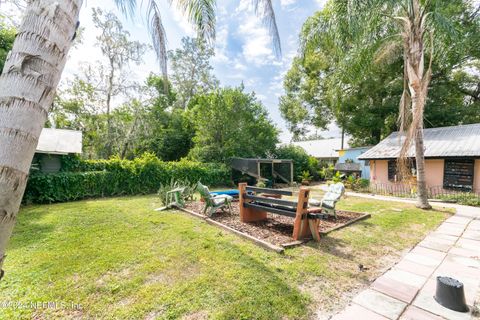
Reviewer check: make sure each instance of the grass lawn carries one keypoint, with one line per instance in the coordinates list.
(118, 258)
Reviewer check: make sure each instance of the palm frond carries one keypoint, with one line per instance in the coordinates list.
(159, 37)
(388, 51)
(202, 14)
(264, 8)
(128, 7)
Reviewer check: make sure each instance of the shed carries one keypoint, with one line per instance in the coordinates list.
(52, 144)
(263, 169)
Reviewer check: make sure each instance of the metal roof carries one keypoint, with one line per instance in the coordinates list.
(59, 141)
(457, 141)
(324, 148)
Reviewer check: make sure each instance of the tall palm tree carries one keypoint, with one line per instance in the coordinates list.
(33, 69)
(377, 29)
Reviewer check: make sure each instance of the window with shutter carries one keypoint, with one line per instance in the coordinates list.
(458, 174)
(392, 170)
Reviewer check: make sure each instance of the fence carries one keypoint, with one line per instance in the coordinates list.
(406, 190)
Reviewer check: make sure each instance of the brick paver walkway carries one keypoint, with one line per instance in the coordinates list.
(406, 291)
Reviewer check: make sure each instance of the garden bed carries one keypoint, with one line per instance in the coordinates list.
(276, 229)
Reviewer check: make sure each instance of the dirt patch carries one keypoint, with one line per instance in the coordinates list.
(110, 275)
(200, 315)
(276, 229)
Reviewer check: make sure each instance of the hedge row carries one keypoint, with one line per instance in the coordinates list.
(115, 177)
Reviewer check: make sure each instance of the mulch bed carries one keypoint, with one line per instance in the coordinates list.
(276, 229)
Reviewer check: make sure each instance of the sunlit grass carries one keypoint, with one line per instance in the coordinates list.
(118, 258)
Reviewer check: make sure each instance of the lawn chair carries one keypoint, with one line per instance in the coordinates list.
(174, 198)
(330, 199)
(213, 202)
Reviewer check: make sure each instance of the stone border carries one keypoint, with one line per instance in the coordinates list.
(362, 217)
(256, 241)
(265, 244)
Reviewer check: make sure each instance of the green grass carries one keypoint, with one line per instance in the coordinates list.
(120, 259)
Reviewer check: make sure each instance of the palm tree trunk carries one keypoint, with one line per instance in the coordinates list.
(422, 193)
(418, 84)
(27, 87)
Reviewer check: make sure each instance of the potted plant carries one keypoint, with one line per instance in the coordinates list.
(305, 178)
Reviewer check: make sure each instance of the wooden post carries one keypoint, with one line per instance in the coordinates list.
(248, 214)
(259, 173)
(291, 173)
(300, 225)
(313, 224)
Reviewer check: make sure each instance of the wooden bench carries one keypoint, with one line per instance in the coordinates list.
(254, 207)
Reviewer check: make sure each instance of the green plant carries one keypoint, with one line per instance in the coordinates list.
(299, 157)
(327, 172)
(337, 177)
(464, 198)
(313, 166)
(261, 184)
(104, 178)
(350, 182)
(187, 194)
(363, 183)
(305, 176)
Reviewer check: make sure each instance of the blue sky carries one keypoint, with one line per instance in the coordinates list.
(243, 47)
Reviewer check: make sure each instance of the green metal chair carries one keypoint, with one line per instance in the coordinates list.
(213, 202)
(175, 198)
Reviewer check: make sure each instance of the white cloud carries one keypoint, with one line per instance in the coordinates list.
(182, 21)
(286, 3)
(239, 66)
(256, 46)
(221, 44)
(321, 3)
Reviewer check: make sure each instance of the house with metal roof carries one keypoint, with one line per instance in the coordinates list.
(349, 164)
(52, 144)
(325, 150)
(452, 158)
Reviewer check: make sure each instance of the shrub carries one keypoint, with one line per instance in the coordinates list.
(327, 172)
(337, 177)
(102, 178)
(464, 198)
(363, 183)
(357, 184)
(298, 155)
(305, 176)
(313, 167)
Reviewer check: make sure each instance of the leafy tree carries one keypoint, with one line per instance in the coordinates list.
(191, 70)
(112, 78)
(360, 86)
(301, 160)
(219, 135)
(359, 47)
(168, 131)
(7, 36)
(76, 108)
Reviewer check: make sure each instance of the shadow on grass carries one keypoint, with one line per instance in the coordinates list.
(29, 230)
(333, 246)
(266, 293)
